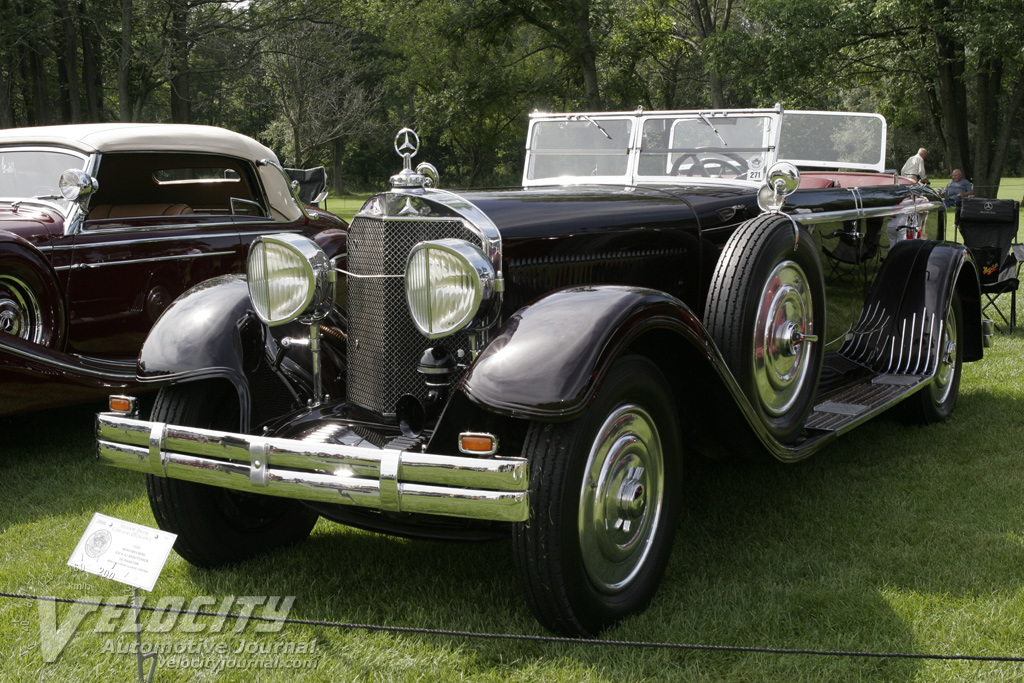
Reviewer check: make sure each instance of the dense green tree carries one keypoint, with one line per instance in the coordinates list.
(329, 81)
(956, 65)
(311, 64)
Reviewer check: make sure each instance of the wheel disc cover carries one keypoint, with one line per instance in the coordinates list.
(20, 314)
(621, 498)
(781, 357)
(947, 360)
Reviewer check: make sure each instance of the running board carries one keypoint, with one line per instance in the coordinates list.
(864, 399)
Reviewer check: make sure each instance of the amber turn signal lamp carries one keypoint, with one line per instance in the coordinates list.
(474, 443)
(122, 404)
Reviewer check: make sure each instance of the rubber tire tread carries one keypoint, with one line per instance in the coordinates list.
(195, 512)
(727, 314)
(921, 408)
(538, 543)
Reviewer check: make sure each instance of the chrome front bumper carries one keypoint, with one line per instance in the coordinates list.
(385, 479)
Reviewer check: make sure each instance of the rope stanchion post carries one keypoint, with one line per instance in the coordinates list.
(141, 658)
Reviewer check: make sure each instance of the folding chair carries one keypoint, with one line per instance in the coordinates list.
(989, 227)
(312, 184)
(854, 250)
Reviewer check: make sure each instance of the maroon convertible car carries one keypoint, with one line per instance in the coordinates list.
(102, 226)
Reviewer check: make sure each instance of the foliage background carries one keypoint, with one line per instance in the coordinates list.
(329, 81)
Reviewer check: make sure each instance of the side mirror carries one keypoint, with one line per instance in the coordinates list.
(783, 179)
(76, 186)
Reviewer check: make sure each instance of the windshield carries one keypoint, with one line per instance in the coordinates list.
(833, 139)
(580, 147)
(35, 174)
(705, 146)
(682, 147)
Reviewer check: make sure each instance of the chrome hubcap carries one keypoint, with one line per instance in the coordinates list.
(783, 339)
(621, 498)
(20, 314)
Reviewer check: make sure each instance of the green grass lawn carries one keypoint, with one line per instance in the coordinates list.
(345, 205)
(894, 539)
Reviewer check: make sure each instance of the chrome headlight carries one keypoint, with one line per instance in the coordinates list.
(449, 285)
(290, 278)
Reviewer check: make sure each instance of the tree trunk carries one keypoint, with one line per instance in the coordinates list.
(8, 69)
(124, 62)
(91, 74)
(6, 90)
(952, 95)
(587, 58)
(40, 85)
(181, 102)
(1001, 127)
(988, 80)
(70, 61)
(337, 157)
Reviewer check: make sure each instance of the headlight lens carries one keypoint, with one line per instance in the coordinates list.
(290, 277)
(449, 285)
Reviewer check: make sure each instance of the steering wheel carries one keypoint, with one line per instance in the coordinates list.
(727, 160)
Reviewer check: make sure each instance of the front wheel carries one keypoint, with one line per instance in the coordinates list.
(218, 526)
(604, 504)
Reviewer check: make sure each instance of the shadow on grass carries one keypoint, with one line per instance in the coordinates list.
(807, 556)
(49, 468)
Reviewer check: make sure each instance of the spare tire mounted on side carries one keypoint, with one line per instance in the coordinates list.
(766, 312)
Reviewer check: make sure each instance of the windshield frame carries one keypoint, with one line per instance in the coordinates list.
(755, 157)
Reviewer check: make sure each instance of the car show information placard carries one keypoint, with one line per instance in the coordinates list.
(122, 551)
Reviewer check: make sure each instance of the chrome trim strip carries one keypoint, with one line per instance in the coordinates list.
(161, 228)
(269, 230)
(166, 238)
(858, 213)
(476, 219)
(367, 277)
(109, 373)
(179, 257)
(293, 185)
(384, 479)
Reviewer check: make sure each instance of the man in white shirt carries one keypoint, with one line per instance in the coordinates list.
(914, 168)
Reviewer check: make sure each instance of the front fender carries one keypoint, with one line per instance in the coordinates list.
(550, 356)
(205, 333)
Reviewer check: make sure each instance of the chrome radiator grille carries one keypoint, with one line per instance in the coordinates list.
(384, 346)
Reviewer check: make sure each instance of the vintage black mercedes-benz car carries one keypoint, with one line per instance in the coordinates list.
(536, 361)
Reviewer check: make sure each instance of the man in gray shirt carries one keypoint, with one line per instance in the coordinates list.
(958, 188)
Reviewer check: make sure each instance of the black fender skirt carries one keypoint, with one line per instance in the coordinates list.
(921, 276)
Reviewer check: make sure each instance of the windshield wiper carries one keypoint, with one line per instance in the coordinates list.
(712, 127)
(587, 118)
